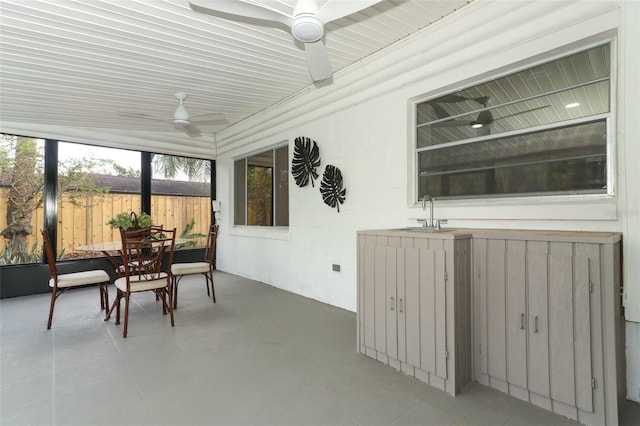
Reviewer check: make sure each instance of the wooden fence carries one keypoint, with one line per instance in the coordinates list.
(88, 224)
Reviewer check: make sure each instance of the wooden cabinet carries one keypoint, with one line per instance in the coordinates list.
(414, 304)
(543, 307)
(535, 314)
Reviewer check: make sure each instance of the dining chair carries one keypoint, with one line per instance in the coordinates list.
(143, 252)
(206, 267)
(153, 229)
(59, 283)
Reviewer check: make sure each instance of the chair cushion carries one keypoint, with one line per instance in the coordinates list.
(96, 276)
(190, 268)
(139, 283)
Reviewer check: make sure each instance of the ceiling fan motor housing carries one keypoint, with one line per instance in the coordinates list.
(307, 28)
(181, 116)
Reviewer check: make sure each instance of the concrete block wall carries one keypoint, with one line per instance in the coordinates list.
(633, 360)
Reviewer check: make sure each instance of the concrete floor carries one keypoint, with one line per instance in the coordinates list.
(260, 356)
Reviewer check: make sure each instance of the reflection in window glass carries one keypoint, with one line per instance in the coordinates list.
(261, 190)
(94, 185)
(282, 186)
(181, 197)
(21, 199)
(524, 164)
(542, 130)
(240, 198)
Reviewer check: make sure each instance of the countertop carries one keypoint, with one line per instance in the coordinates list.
(506, 234)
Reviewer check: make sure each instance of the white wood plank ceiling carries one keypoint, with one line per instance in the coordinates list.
(117, 64)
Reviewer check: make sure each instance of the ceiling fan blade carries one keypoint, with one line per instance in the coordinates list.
(451, 123)
(523, 112)
(439, 110)
(240, 8)
(336, 9)
(214, 116)
(453, 99)
(191, 130)
(141, 116)
(318, 60)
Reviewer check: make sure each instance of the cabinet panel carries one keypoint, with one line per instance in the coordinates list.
(410, 305)
(480, 308)
(391, 269)
(369, 296)
(400, 293)
(516, 314)
(427, 311)
(441, 314)
(561, 351)
(433, 310)
(380, 298)
(538, 366)
(496, 309)
(582, 324)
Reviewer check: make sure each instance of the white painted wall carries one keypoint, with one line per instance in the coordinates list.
(362, 122)
(629, 204)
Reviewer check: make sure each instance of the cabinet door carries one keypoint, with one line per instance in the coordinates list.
(433, 340)
(391, 261)
(400, 297)
(409, 306)
(368, 289)
(496, 309)
(569, 327)
(516, 314)
(538, 367)
(380, 298)
(582, 322)
(561, 343)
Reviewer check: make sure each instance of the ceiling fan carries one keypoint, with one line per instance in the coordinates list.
(184, 121)
(306, 22)
(483, 120)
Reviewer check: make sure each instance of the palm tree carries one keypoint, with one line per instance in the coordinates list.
(170, 166)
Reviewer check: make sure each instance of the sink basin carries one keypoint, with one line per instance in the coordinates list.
(421, 229)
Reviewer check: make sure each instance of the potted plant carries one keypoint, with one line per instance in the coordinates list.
(130, 221)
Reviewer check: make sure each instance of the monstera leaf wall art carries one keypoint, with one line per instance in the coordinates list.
(306, 157)
(333, 194)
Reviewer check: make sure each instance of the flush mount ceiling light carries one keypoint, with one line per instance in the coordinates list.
(307, 29)
(572, 105)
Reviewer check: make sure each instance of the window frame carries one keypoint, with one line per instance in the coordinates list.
(50, 189)
(245, 191)
(511, 69)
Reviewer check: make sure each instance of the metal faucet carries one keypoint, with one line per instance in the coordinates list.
(429, 198)
(430, 223)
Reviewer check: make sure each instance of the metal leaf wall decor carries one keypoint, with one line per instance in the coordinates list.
(306, 157)
(333, 194)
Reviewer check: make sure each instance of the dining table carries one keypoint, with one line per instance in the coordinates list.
(113, 249)
(110, 246)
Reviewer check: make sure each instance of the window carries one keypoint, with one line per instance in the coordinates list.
(540, 131)
(94, 185)
(85, 186)
(181, 197)
(21, 199)
(261, 195)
